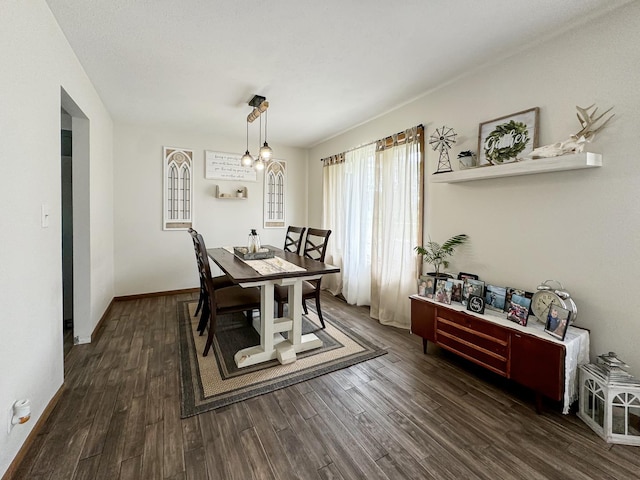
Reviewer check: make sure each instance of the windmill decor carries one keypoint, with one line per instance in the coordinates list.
(443, 139)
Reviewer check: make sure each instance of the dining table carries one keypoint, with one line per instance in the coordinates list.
(284, 268)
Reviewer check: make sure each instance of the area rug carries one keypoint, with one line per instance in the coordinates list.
(214, 381)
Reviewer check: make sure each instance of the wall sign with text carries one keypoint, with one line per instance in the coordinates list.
(227, 166)
(508, 139)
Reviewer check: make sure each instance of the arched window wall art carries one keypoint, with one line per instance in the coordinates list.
(275, 185)
(178, 189)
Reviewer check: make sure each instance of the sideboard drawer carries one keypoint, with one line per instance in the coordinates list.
(475, 324)
(494, 362)
(472, 334)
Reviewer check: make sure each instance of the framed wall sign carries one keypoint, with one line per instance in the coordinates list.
(508, 139)
(227, 166)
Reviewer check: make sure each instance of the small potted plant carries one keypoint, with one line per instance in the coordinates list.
(240, 192)
(436, 254)
(467, 159)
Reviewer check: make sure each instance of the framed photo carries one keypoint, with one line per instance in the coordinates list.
(464, 276)
(517, 305)
(557, 321)
(426, 286)
(476, 304)
(443, 291)
(516, 291)
(472, 287)
(494, 297)
(508, 139)
(456, 290)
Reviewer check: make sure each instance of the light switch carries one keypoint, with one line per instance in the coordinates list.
(45, 215)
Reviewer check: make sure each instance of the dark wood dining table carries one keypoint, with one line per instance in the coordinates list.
(272, 343)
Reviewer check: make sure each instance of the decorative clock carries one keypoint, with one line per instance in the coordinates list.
(547, 294)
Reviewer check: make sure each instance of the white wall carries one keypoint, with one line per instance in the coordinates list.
(36, 62)
(579, 227)
(149, 259)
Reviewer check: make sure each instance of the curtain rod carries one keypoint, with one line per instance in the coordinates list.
(385, 139)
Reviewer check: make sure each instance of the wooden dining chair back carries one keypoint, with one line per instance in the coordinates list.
(219, 281)
(293, 239)
(222, 299)
(315, 245)
(315, 248)
(196, 247)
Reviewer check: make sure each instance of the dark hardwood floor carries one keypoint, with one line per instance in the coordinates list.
(404, 415)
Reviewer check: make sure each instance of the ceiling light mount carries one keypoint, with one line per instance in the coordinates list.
(256, 101)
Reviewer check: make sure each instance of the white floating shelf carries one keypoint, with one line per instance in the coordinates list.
(538, 165)
(235, 194)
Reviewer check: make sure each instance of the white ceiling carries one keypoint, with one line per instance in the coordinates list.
(325, 65)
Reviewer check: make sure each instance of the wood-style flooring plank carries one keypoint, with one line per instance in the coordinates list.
(131, 469)
(255, 455)
(173, 447)
(152, 458)
(274, 450)
(195, 464)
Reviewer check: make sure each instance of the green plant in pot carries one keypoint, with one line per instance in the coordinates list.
(437, 254)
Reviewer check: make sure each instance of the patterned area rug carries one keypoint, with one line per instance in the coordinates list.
(214, 381)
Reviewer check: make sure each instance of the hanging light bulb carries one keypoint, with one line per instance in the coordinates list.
(265, 151)
(259, 164)
(247, 159)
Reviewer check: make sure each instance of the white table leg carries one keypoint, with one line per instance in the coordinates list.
(272, 344)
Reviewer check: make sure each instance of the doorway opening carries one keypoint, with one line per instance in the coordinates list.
(75, 223)
(66, 194)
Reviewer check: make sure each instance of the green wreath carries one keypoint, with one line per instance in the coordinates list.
(500, 154)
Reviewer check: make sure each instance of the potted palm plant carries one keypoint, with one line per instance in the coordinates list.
(437, 254)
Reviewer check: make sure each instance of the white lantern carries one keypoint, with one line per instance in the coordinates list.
(610, 400)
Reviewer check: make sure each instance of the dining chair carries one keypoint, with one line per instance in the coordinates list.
(222, 300)
(315, 248)
(219, 281)
(293, 239)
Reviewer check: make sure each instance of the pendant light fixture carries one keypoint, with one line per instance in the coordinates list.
(247, 159)
(265, 153)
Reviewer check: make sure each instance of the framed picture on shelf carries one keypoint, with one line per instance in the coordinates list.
(494, 297)
(517, 306)
(472, 287)
(464, 276)
(476, 304)
(443, 291)
(557, 321)
(508, 139)
(516, 291)
(456, 290)
(426, 286)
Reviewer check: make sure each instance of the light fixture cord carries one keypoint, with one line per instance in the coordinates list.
(260, 136)
(266, 122)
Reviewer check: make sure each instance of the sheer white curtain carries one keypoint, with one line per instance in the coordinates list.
(396, 230)
(372, 198)
(348, 211)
